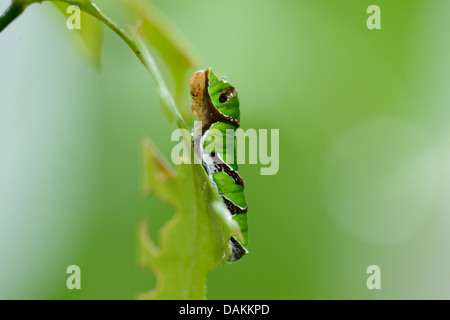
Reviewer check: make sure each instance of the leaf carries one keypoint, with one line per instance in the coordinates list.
(91, 34)
(195, 240)
(179, 57)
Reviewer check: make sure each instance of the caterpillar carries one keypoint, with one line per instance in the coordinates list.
(216, 105)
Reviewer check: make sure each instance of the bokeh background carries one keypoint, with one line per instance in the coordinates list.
(364, 172)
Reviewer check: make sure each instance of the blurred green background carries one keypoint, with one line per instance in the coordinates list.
(364, 150)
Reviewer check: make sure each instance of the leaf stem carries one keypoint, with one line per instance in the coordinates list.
(135, 44)
(140, 50)
(14, 10)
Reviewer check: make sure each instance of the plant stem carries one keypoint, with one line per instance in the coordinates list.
(15, 9)
(138, 47)
(140, 50)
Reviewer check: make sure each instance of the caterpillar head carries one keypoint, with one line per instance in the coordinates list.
(214, 99)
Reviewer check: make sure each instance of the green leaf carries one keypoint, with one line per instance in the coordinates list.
(195, 240)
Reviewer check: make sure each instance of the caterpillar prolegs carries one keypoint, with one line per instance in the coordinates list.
(216, 104)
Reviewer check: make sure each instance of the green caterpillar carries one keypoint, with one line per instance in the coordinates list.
(216, 104)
